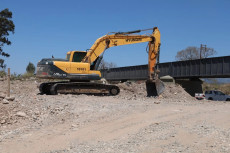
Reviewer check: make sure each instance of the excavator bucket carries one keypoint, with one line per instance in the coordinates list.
(154, 87)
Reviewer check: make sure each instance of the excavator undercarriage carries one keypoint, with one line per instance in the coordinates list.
(53, 88)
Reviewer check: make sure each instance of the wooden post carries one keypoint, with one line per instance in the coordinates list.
(8, 79)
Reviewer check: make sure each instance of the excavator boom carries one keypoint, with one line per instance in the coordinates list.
(118, 39)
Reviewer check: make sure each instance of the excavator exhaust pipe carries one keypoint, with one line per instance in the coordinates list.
(154, 87)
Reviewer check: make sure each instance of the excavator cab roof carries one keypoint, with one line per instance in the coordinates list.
(69, 52)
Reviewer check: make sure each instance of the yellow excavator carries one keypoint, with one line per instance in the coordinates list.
(80, 68)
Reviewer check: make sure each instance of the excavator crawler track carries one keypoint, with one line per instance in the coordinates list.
(53, 88)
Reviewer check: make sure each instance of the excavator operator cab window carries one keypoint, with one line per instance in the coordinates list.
(78, 56)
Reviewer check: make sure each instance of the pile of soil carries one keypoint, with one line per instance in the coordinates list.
(137, 90)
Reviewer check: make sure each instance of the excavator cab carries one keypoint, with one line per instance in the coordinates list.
(75, 56)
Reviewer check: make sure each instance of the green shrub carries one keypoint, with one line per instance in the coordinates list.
(15, 76)
(30, 68)
(2, 74)
(27, 75)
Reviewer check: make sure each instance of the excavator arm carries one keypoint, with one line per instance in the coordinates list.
(153, 84)
(126, 38)
(108, 41)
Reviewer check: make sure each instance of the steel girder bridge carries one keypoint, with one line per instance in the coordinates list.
(216, 67)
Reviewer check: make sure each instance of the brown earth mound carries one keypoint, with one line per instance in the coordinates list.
(137, 90)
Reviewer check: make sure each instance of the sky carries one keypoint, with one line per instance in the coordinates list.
(53, 27)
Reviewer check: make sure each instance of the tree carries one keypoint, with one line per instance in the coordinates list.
(2, 68)
(2, 65)
(6, 26)
(191, 53)
(207, 52)
(106, 65)
(30, 68)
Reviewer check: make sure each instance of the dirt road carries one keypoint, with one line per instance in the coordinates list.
(124, 123)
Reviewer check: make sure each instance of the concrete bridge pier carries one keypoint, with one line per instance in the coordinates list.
(191, 86)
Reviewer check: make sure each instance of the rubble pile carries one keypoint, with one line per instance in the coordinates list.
(137, 91)
(175, 91)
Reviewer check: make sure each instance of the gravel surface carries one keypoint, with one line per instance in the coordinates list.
(128, 122)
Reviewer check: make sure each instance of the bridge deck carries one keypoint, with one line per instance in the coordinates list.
(217, 67)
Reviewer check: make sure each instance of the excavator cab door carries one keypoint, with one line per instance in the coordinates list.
(77, 67)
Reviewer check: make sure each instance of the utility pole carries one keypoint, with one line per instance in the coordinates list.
(8, 83)
(202, 47)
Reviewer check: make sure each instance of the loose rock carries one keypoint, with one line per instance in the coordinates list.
(4, 101)
(3, 121)
(2, 95)
(10, 98)
(21, 114)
